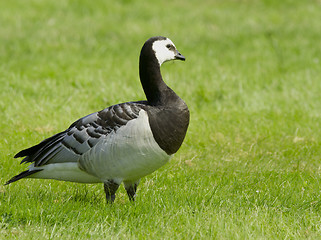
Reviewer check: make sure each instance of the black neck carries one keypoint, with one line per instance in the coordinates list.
(151, 78)
(156, 90)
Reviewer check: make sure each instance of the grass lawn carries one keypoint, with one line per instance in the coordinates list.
(250, 165)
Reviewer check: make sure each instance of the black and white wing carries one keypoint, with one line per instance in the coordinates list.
(79, 138)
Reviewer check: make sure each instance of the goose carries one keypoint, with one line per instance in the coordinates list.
(121, 143)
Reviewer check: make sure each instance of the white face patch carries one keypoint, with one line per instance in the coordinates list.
(162, 52)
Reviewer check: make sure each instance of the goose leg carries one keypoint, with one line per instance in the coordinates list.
(131, 188)
(110, 188)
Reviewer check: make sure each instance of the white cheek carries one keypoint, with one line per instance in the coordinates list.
(162, 53)
(164, 56)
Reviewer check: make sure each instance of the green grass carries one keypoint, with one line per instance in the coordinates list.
(250, 165)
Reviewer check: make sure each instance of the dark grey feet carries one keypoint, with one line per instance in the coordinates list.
(110, 188)
(131, 189)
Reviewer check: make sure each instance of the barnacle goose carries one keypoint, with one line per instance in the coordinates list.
(121, 143)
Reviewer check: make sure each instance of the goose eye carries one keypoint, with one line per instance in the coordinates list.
(170, 47)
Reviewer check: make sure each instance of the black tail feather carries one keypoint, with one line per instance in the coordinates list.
(22, 175)
(31, 153)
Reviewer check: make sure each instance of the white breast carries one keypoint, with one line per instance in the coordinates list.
(127, 154)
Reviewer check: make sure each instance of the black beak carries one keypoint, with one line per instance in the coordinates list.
(179, 56)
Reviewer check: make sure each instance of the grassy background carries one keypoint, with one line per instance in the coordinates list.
(250, 165)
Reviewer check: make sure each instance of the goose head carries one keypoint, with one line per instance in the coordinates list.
(165, 50)
(158, 50)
